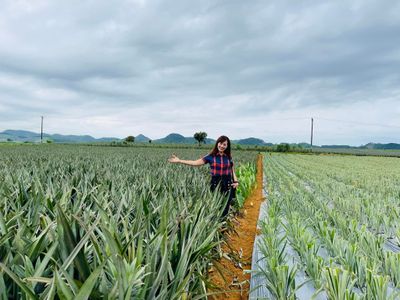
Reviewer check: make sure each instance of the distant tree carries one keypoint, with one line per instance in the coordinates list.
(9, 140)
(130, 139)
(149, 141)
(200, 137)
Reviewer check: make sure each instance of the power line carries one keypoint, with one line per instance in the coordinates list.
(358, 123)
(285, 119)
(332, 120)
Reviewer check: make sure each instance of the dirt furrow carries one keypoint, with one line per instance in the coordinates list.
(234, 283)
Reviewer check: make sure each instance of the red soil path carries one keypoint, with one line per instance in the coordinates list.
(233, 283)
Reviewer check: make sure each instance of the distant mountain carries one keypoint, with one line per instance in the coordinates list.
(59, 138)
(176, 138)
(19, 135)
(173, 138)
(389, 146)
(250, 141)
(28, 136)
(141, 139)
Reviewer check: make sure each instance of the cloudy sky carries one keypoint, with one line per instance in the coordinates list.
(239, 68)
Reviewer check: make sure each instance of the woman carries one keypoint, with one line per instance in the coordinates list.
(221, 167)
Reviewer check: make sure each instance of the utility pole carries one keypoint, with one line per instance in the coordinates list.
(41, 131)
(312, 131)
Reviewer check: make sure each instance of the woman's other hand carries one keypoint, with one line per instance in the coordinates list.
(173, 159)
(235, 185)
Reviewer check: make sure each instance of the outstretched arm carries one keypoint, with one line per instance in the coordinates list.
(175, 159)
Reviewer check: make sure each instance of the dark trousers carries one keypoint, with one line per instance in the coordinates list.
(223, 183)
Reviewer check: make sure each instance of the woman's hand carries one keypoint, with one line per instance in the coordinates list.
(235, 184)
(173, 159)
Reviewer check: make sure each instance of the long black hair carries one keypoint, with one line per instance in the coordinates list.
(222, 139)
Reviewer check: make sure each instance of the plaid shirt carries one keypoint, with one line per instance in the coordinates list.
(219, 164)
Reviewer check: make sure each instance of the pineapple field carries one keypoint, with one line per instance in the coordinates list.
(330, 228)
(81, 222)
(97, 222)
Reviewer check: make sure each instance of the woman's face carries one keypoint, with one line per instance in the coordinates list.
(222, 146)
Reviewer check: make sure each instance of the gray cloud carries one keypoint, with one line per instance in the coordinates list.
(185, 64)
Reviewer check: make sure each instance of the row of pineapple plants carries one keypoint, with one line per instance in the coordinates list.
(343, 255)
(105, 223)
(280, 277)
